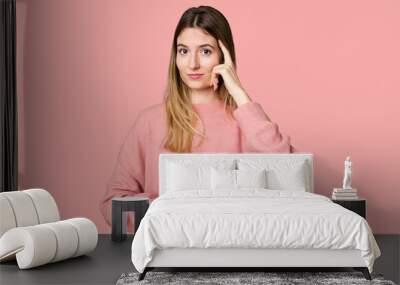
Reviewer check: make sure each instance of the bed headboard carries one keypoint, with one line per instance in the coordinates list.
(164, 158)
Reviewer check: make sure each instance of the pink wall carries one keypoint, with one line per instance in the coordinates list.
(326, 72)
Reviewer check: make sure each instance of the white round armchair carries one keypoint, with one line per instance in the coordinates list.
(31, 231)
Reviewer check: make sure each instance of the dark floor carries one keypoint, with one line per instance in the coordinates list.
(111, 259)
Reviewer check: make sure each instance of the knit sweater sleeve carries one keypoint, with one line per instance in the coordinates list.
(258, 133)
(128, 176)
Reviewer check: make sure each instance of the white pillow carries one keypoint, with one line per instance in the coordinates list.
(184, 175)
(237, 179)
(281, 174)
(223, 179)
(251, 178)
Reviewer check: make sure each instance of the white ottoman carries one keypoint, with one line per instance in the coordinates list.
(31, 233)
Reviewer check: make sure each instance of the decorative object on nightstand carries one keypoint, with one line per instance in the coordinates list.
(347, 173)
(358, 205)
(120, 208)
(347, 192)
(344, 194)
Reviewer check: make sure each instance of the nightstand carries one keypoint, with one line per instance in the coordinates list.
(121, 205)
(358, 206)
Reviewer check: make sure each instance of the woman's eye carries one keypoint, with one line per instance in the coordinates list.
(184, 51)
(207, 51)
(180, 51)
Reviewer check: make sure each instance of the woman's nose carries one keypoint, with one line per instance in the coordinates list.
(194, 62)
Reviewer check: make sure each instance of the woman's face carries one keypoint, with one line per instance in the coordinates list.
(197, 53)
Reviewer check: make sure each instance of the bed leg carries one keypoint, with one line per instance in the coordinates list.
(364, 271)
(143, 274)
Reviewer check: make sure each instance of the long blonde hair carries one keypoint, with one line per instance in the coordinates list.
(181, 118)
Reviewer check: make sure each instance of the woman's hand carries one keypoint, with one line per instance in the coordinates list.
(231, 80)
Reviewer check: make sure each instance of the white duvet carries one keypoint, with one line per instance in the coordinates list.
(250, 218)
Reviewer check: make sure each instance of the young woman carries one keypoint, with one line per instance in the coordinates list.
(205, 109)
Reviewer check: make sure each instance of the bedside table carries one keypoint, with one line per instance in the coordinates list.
(358, 206)
(121, 205)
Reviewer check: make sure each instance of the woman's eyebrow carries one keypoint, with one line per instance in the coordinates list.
(204, 45)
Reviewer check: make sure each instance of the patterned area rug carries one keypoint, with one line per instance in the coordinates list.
(269, 278)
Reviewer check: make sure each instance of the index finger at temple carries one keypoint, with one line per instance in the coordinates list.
(225, 51)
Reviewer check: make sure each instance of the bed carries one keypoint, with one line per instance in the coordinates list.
(247, 210)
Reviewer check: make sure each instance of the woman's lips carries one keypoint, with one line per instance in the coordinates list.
(195, 76)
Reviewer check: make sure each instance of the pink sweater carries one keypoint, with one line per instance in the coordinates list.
(136, 170)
